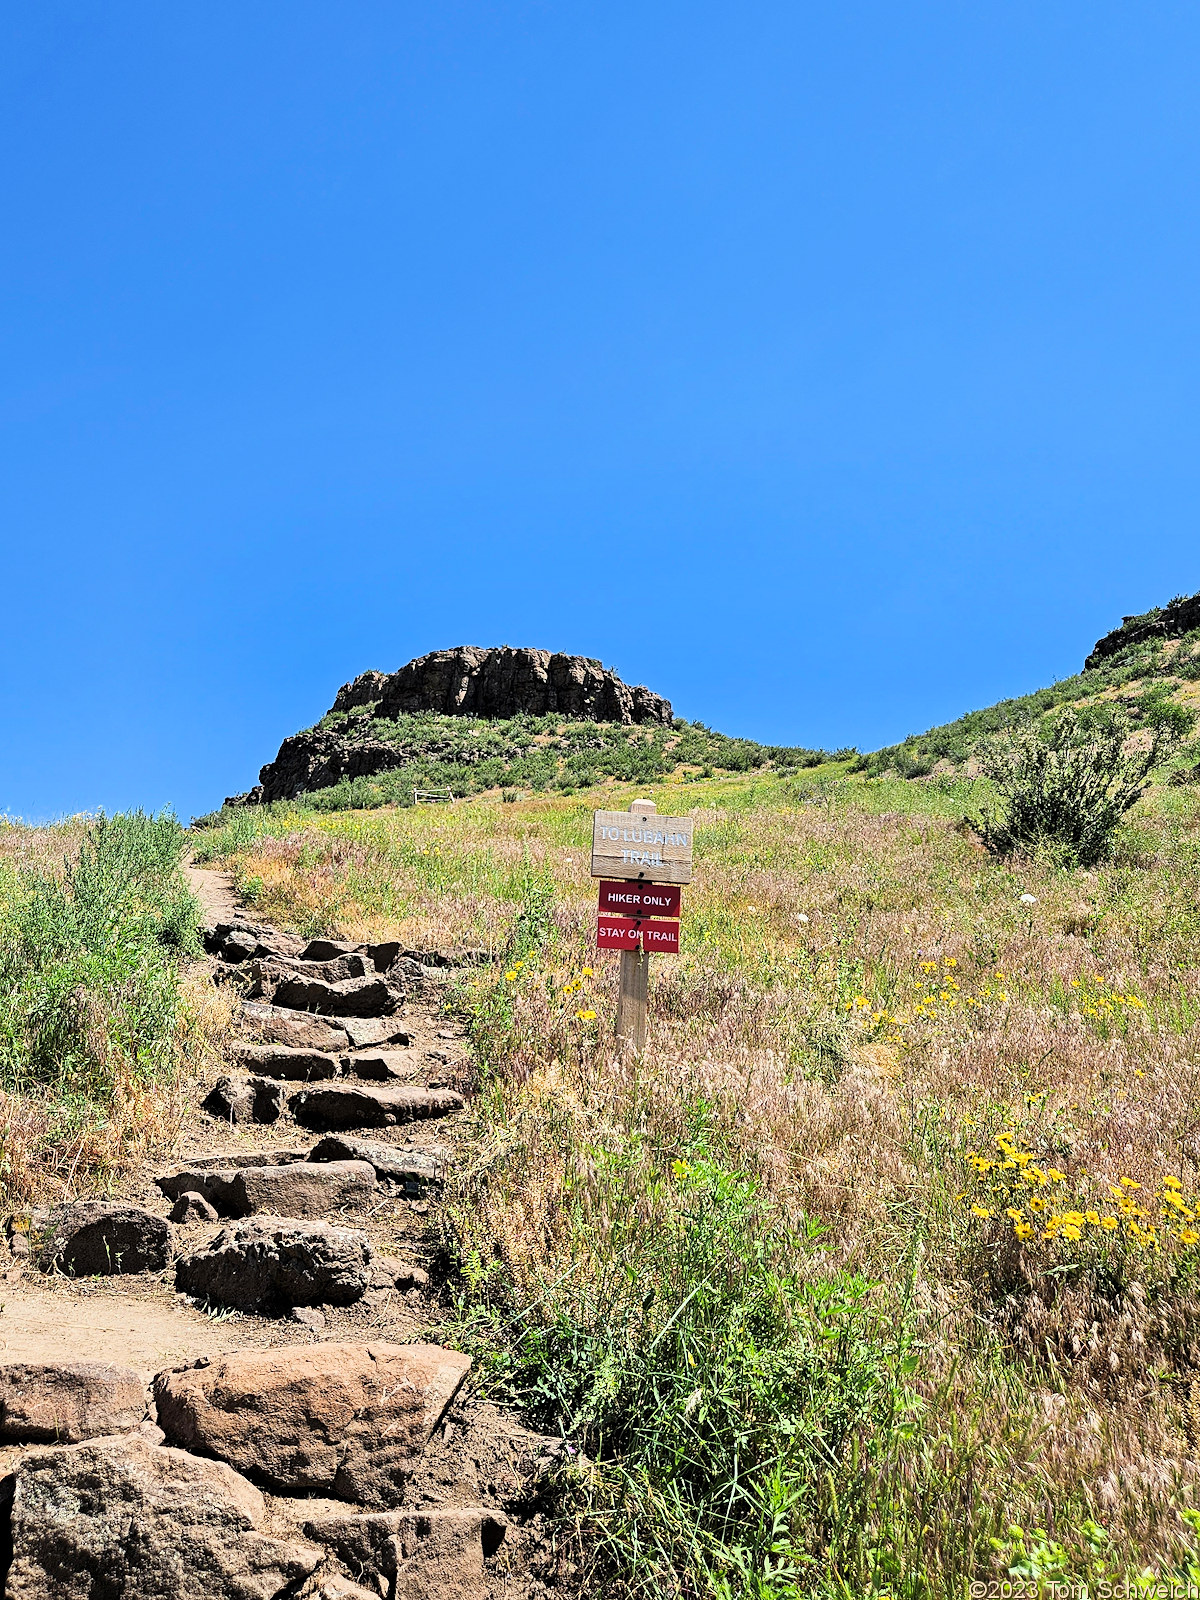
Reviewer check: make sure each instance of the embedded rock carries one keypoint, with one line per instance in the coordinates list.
(364, 1032)
(274, 1263)
(347, 1420)
(123, 1519)
(193, 1207)
(210, 1184)
(240, 941)
(94, 1238)
(233, 1102)
(64, 1402)
(366, 996)
(415, 1171)
(359, 1105)
(299, 1029)
(433, 1554)
(383, 1066)
(288, 1062)
(301, 1189)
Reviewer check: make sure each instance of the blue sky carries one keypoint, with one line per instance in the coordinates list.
(831, 368)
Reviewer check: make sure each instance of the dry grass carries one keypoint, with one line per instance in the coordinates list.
(1066, 1372)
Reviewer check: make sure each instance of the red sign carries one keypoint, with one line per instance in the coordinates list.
(630, 933)
(640, 899)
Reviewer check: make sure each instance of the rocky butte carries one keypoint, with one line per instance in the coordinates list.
(496, 683)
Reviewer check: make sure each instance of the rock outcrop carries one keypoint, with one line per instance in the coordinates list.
(495, 683)
(503, 682)
(1172, 621)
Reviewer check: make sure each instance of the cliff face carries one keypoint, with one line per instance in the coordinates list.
(1172, 621)
(467, 682)
(503, 682)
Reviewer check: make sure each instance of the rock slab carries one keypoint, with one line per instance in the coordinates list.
(288, 1062)
(340, 1106)
(94, 1238)
(66, 1402)
(299, 1029)
(122, 1519)
(274, 1263)
(414, 1170)
(347, 1420)
(301, 1189)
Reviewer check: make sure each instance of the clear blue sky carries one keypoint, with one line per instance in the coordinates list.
(833, 368)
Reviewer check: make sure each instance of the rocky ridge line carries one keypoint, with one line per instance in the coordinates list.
(469, 681)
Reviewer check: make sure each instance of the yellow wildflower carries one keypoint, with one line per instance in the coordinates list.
(1109, 1222)
(981, 1211)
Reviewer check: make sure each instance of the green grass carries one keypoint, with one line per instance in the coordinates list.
(95, 921)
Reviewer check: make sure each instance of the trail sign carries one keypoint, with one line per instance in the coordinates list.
(642, 845)
(640, 899)
(630, 933)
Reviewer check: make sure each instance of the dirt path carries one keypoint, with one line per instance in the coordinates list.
(215, 891)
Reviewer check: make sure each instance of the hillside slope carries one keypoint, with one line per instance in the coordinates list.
(1146, 670)
(468, 720)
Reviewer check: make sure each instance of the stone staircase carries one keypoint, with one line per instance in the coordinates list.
(316, 1468)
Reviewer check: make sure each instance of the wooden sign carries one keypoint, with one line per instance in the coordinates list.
(630, 933)
(640, 899)
(643, 846)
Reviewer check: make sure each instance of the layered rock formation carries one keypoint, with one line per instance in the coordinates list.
(497, 683)
(503, 682)
(1172, 621)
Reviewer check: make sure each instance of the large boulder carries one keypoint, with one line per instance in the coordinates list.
(271, 1264)
(94, 1237)
(301, 1189)
(431, 1554)
(300, 1029)
(122, 1519)
(347, 1420)
(64, 1402)
(288, 1062)
(339, 1106)
(415, 1171)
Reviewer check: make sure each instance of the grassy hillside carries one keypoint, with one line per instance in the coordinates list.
(1142, 681)
(469, 755)
(879, 1275)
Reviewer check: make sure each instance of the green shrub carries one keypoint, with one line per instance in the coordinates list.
(1063, 787)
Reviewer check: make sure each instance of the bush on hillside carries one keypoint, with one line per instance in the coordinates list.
(1063, 787)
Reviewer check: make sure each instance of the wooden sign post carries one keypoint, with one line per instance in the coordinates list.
(634, 851)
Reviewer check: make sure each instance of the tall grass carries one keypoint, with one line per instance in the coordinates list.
(96, 922)
(767, 1280)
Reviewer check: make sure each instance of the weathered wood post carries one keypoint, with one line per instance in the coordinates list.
(641, 859)
(633, 1002)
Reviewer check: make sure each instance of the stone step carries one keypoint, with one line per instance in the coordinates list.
(345, 997)
(295, 1189)
(415, 1171)
(289, 1062)
(299, 1029)
(338, 1106)
(385, 1066)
